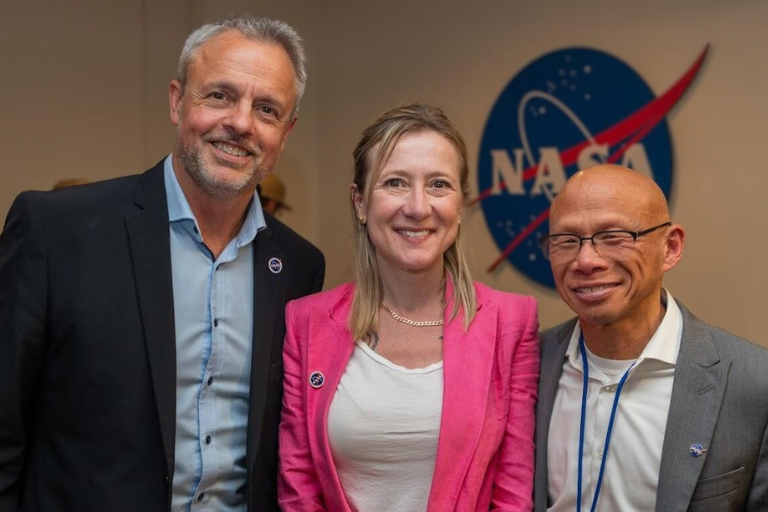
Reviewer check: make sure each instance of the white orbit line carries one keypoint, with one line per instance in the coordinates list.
(564, 109)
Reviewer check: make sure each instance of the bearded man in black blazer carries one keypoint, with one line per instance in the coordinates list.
(141, 318)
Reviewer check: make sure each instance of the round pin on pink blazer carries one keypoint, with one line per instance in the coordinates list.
(485, 447)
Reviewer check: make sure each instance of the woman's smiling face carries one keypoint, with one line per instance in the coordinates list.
(413, 208)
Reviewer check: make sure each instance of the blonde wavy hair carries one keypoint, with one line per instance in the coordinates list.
(381, 137)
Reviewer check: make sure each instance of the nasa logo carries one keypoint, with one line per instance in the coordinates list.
(568, 110)
(275, 265)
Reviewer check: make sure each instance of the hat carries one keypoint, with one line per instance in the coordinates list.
(69, 182)
(271, 187)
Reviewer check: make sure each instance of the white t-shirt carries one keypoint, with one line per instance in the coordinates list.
(383, 428)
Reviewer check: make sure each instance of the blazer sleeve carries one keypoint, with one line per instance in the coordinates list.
(317, 286)
(513, 483)
(298, 485)
(23, 305)
(758, 492)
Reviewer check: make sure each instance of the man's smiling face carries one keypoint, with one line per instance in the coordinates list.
(623, 287)
(234, 113)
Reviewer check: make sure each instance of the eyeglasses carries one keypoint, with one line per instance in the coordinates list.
(611, 243)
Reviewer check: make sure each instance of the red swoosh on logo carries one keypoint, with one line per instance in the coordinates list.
(632, 128)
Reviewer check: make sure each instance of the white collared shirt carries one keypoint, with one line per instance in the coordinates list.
(631, 471)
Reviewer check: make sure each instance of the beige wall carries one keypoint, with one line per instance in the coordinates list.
(85, 94)
(85, 91)
(462, 54)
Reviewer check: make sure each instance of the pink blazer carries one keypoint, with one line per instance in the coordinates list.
(490, 373)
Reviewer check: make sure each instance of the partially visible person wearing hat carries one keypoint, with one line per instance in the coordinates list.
(69, 182)
(272, 195)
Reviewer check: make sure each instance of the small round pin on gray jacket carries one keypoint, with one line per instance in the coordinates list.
(697, 450)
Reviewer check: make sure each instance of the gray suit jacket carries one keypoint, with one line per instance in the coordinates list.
(719, 400)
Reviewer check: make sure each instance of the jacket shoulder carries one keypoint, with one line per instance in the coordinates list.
(555, 334)
(738, 344)
(514, 313)
(323, 302)
(289, 239)
(747, 359)
(71, 212)
(486, 294)
(91, 197)
(725, 342)
(112, 196)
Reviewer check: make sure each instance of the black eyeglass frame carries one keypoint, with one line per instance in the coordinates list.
(634, 234)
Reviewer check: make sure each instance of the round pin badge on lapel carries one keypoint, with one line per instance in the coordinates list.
(275, 265)
(697, 450)
(316, 379)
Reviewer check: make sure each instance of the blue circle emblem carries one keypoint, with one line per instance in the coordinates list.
(697, 450)
(316, 379)
(568, 110)
(275, 265)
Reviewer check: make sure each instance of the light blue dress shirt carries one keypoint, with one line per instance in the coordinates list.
(213, 308)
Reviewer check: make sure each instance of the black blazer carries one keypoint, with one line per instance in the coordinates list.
(87, 349)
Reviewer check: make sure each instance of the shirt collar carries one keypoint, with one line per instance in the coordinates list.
(663, 346)
(179, 209)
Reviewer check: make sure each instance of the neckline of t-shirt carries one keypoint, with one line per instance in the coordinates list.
(611, 368)
(392, 366)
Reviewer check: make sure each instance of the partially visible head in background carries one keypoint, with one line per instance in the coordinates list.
(69, 182)
(272, 194)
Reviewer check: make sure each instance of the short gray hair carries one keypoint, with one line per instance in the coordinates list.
(255, 29)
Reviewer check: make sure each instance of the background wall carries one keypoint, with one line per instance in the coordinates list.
(85, 95)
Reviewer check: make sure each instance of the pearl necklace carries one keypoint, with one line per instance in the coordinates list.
(414, 323)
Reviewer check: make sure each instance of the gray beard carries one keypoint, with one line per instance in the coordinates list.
(193, 164)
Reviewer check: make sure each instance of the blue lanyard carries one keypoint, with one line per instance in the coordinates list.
(583, 350)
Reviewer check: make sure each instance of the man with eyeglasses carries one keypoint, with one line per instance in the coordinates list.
(668, 413)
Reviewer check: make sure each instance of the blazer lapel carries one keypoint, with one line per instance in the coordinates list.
(552, 358)
(697, 393)
(149, 238)
(330, 347)
(467, 362)
(268, 295)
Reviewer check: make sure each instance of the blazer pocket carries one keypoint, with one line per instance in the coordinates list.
(718, 485)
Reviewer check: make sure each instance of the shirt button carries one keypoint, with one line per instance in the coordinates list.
(210, 380)
(207, 439)
(611, 388)
(599, 454)
(200, 498)
(216, 322)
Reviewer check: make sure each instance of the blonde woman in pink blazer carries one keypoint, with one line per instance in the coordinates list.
(412, 389)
